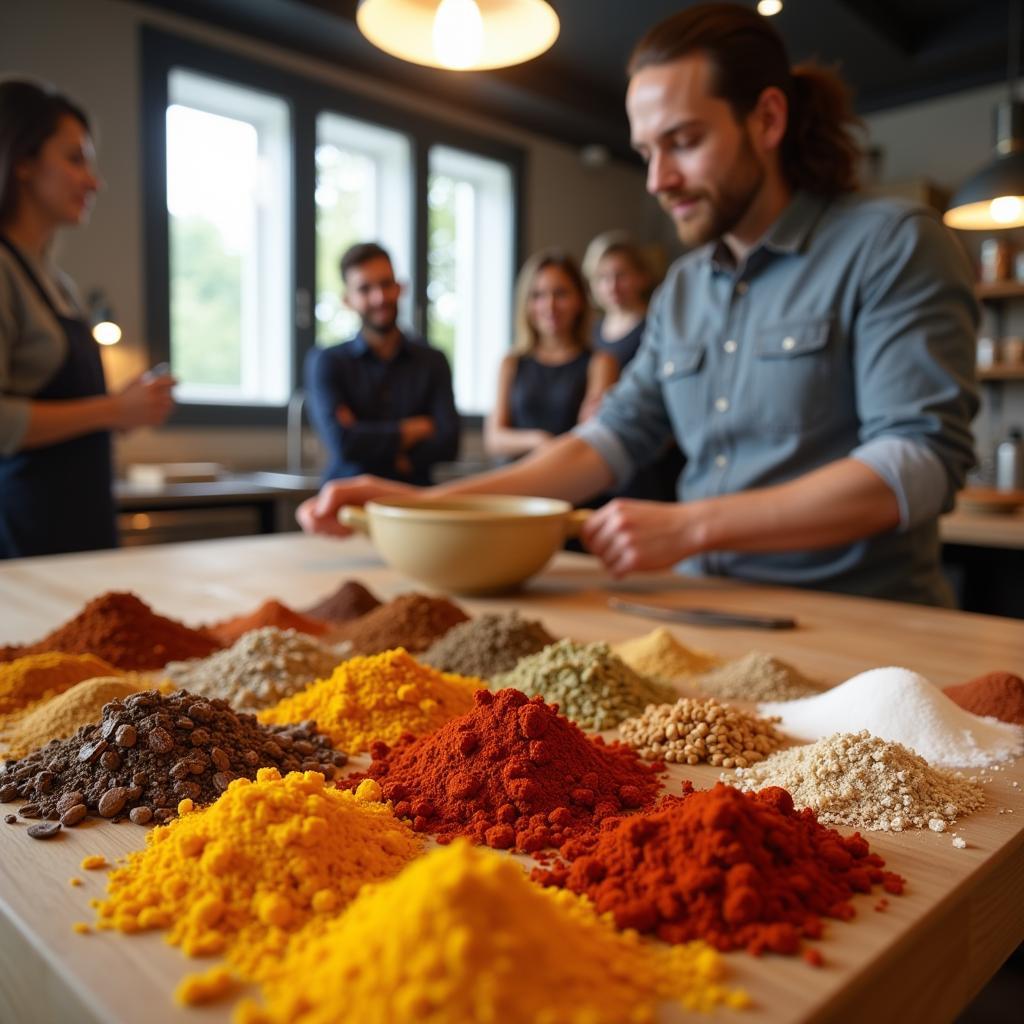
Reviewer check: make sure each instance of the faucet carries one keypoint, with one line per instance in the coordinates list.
(294, 430)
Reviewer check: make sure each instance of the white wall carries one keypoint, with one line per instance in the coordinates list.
(90, 50)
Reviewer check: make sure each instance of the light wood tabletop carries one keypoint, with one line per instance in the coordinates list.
(922, 959)
(983, 529)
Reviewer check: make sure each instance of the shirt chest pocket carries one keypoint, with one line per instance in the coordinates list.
(683, 386)
(792, 374)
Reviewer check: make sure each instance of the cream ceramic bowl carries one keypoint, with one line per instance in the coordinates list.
(476, 544)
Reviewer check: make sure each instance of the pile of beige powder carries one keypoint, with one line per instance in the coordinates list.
(753, 677)
(660, 655)
(860, 780)
(262, 667)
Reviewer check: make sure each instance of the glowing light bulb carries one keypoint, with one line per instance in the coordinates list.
(766, 8)
(458, 33)
(1007, 209)
(106, 332)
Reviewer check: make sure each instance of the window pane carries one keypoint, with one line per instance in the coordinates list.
(228, 196)
(363, 194)
(469, 266)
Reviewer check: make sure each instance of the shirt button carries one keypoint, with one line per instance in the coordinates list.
(741, 288)
(721, 404)
(721, 461)
(668, 368)
(789, 344)
(730, 346)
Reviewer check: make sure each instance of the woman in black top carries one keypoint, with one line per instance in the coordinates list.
(55, 413)
(621, 282)
(552, 380)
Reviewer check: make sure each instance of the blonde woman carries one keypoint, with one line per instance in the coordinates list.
(621, 283)
(552, 380)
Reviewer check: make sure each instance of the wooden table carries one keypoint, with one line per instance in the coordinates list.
(921, 960)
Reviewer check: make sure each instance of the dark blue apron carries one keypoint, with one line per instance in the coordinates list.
(59, 497)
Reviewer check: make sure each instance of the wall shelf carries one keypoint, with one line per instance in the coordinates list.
(1002, 371)
(991, 290)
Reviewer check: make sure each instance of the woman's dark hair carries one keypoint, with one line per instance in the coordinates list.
(29, 115)
(820, 151)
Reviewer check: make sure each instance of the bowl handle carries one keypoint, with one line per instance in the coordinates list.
(354, 517)
(574, 521)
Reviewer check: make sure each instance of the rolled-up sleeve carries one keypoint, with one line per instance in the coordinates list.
(914, 365)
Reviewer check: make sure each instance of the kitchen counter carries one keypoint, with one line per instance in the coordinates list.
(983, 529)
(921, 960)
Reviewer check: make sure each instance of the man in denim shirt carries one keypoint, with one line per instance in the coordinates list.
(812, 354)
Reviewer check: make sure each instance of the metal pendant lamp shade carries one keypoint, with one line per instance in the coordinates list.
(460, 35)
(994, 197)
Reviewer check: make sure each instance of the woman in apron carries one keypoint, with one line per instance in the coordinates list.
(56, 470)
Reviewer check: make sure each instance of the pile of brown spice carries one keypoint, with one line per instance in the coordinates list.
(349, 601)
(270, 613)
(993, 695)
(487, 645)
(413, 621)
(755, 677)
(149, 752)
(125, 632)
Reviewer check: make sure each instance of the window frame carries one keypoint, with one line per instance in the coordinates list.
(306, 97)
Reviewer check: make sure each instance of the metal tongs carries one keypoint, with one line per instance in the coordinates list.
(702, 616)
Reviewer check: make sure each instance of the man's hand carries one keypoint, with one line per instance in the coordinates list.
(320, 514)
(415, 429)
(632, 536)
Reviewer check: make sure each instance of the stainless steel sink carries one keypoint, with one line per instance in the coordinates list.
(282, 479)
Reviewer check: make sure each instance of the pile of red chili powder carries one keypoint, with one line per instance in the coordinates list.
(994, 695)
(739, 870)
(511, 773)
(125, 632)
(270, 613)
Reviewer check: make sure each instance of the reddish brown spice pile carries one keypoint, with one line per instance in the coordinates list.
(994, 695)
(125, 632)
(412, 621)
(739, 870)
(270, 613)
(512, 773)
(348, 602)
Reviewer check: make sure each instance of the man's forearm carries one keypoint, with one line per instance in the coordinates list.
(567, 468)
(836, 504)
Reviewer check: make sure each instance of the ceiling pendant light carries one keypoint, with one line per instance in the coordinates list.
(994, 197)
(459, 35)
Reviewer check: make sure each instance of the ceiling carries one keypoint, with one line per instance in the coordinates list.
(891, 51)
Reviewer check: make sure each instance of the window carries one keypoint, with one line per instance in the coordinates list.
(228, 203)
(257, 179)
(363, 193)
(470, 251)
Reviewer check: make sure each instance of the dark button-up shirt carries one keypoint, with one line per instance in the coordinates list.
(847, 332)
(415, 382)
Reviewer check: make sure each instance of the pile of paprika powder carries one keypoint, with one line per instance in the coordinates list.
(512, 773)
(125, 632)
(738, 870)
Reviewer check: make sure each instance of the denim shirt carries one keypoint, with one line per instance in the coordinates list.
(848, 331)
(415, 382)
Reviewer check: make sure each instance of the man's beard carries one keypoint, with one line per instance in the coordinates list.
(735, 196)
(382, 321)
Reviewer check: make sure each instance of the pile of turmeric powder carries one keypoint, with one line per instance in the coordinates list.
(377, 698)
(63, 715)
(463, 935)
(26, 681)
(241, 876)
